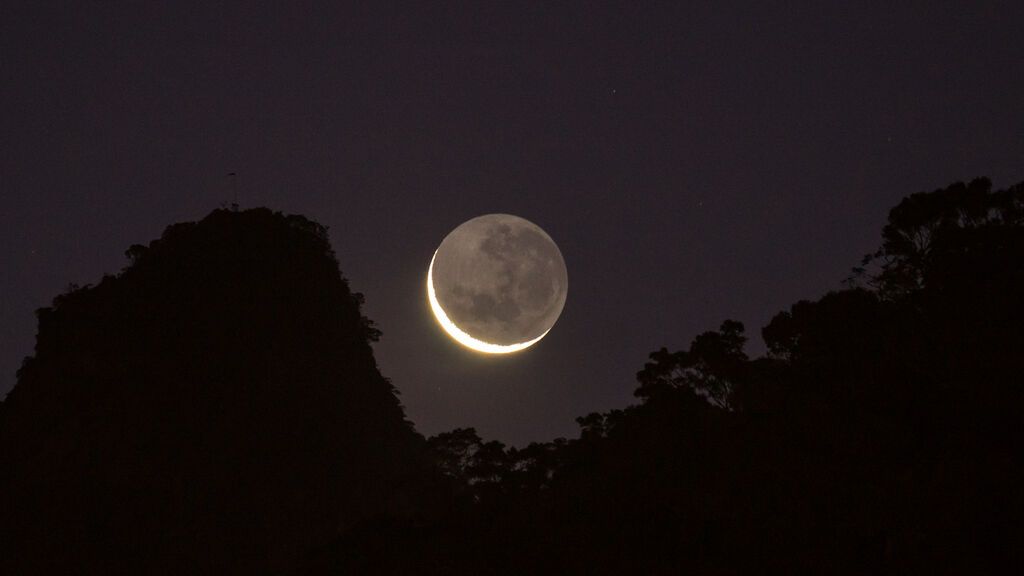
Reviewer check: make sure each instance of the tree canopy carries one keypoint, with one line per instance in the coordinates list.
(216, 407)
(876, 435)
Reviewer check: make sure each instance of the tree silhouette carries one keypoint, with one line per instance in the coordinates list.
(707, 368)
(215, 407)
(876, 436)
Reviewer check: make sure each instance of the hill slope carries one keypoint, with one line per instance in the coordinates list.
(215, 406)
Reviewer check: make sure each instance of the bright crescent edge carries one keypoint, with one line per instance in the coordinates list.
(460, 336)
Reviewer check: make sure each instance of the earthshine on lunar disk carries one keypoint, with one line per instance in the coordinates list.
(497, 283)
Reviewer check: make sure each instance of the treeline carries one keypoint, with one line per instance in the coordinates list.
(215, 408)
(880, 434)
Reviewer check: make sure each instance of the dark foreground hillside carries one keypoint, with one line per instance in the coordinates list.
(880, 435)
(214, 408)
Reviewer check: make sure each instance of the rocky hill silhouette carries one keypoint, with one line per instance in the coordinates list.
(216, 408)
(213, 408)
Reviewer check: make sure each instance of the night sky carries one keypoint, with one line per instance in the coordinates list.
(693, 164)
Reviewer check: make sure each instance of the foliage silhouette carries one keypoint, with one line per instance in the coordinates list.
(877, 435)
(215, 407)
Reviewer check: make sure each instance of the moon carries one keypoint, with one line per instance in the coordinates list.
(497, 283)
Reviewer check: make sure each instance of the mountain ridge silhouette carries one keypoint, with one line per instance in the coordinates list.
(179, 415)
(216, 408)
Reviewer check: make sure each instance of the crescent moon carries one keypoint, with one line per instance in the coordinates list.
(460, 336)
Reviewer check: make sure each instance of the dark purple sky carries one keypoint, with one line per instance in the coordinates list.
(693, 164)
